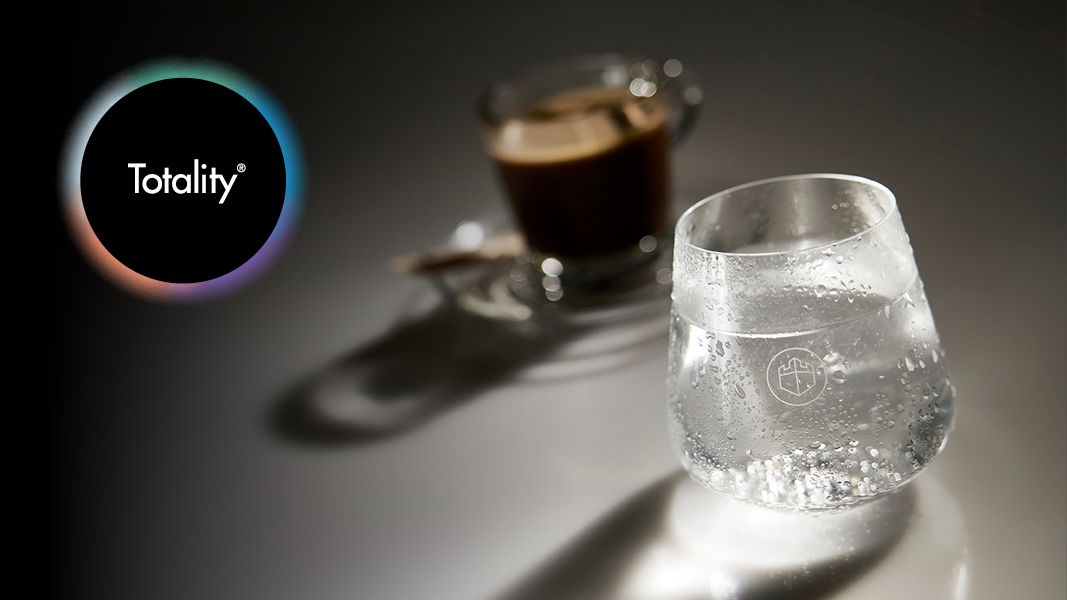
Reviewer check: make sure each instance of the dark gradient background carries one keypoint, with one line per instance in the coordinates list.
(168, 479)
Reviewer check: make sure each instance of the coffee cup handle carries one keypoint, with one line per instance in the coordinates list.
(687, 96)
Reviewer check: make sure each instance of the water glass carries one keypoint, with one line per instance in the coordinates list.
(805, 371)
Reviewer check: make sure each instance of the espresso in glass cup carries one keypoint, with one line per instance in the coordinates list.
(582, 148)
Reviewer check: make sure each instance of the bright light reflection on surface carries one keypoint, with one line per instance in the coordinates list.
(614, 77)
(735, 533)
(962, 583)
(722, 586)
(641, 88)
(469, 235)
(551, 266)
(679, 541)
(672, 67)
(667, 572)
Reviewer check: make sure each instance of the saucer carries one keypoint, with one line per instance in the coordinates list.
(511, 288)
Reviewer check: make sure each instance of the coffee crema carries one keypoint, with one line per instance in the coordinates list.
(588, 171)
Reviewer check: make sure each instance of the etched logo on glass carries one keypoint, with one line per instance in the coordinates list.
(796, 376)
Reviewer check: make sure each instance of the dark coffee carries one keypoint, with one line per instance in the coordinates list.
(588, 173)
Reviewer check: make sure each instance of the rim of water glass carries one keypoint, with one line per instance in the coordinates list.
(892, 209)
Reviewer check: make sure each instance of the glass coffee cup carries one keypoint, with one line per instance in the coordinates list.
(582, 148)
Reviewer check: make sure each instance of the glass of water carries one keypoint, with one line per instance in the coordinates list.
(805, 371)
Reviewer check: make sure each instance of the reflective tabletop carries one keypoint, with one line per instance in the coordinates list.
(336, 430)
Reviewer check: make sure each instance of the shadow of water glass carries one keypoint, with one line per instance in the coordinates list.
(677, 540)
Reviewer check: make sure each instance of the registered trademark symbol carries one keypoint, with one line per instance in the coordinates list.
(240, 167)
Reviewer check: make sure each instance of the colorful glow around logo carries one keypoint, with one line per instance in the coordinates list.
(70, 180)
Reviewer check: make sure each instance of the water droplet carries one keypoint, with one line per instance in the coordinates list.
(740, 391)
(838, 376)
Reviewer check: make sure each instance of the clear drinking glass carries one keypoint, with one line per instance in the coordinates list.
(805, 370)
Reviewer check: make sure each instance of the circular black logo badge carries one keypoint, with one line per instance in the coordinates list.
(183, 180)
